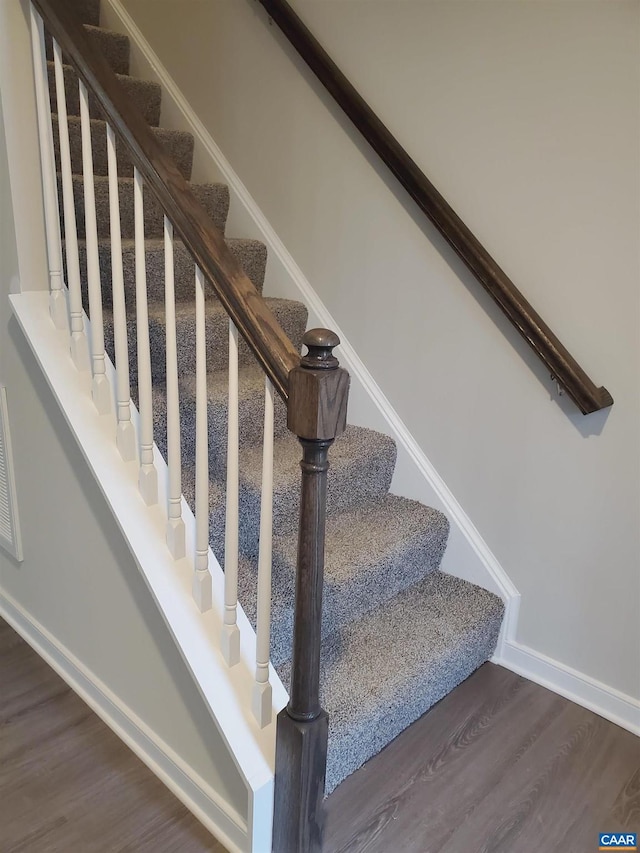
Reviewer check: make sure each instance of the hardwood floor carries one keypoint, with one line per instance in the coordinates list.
(501, 765)
(67, 783)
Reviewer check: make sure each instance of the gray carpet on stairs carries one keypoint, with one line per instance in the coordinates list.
(177, 143)
(251, 254)
(144, 93)
(398, 634)
(377, 550)
(292, 316)
(213, 197)
(380, 673)
(113, 46)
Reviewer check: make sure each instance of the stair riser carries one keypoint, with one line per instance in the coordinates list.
(293, 323)
(113, 46)
(252, 257)
(178, 145)
(145, 95)
(214, 198)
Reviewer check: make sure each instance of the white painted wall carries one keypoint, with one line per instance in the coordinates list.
(526, 116)
(21, 141)
(78, 579)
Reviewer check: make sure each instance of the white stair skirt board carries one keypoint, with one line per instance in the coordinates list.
(227, 692)
(10, 538)
(216, 815)
(467, 555)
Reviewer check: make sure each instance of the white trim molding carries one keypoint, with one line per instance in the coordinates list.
(606, 701)
(221, 819)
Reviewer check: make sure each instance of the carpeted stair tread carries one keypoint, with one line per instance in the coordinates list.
(291, 315)
(383, 671)
(373, 552)
(113, 46)
(250, 415)
(177, 143)
(251, 254)
(354, 445)
(362, 463)
(145, 94)
(213, 197)
(251, 396)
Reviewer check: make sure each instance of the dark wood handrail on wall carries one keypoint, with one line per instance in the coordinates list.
(246, 307)
(561, 364)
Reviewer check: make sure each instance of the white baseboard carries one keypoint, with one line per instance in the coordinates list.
(203, 802)
(600, 698)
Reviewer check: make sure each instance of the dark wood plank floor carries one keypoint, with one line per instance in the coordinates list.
(67, 783)
(501, 765)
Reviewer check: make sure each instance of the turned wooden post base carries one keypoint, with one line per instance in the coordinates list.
(301, 759)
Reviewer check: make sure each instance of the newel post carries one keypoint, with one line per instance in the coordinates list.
(317, 414)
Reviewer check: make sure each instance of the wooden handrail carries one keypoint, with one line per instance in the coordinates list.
(246, 307)
(561, 364)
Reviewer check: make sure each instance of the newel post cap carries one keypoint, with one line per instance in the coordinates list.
(318, 390)
(320, 344)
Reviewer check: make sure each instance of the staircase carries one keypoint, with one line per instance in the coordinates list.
(397, 633)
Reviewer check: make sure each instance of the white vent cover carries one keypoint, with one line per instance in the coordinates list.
(9, 528)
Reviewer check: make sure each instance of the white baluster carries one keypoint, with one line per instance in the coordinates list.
(175, 524)
(58, 307)
(262, 694)
(125, 433)
(202, 576)
(148, 476)
(79, 343)
(230, 632)
(100, 390)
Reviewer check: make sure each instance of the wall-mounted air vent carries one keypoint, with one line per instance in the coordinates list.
(9, 527)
